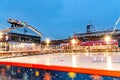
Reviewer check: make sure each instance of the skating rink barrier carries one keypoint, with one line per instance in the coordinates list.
(25, 71)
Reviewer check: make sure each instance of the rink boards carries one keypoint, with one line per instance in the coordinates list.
(28, 71)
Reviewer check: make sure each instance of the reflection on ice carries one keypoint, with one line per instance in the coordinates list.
(48, 60)
(74, 61)
(109, 63)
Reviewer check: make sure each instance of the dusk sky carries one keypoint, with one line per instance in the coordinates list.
(58, 19)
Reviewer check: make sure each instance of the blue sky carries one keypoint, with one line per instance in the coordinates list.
(58, 19)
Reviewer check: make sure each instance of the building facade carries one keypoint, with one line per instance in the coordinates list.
(19, 36)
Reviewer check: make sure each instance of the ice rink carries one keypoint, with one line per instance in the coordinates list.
(104, 60)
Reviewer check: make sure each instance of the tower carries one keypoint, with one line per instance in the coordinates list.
(89, 28)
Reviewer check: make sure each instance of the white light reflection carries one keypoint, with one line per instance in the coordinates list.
(48, 60)
(34, 60)
(109, 63)
(74, 61)
(86, 54)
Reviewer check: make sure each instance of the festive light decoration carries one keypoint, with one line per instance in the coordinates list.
(72, 75)
(47, 76)
(18, 70)
(3, 72)
(37, 73)
(8, 67)
(96, 77)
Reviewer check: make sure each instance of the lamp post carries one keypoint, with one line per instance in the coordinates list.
(73, 41)
(47, 43)
(107, 40)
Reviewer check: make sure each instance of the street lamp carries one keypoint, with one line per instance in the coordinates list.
(73, 41)
(107, 40)
(47, 41)
(47, 44)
